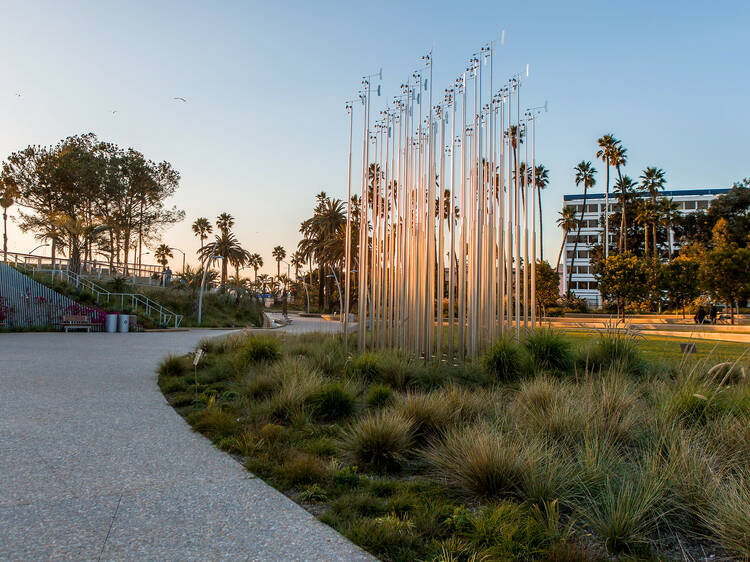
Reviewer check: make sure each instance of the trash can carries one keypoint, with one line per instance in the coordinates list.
(110, 323)
(123, 324)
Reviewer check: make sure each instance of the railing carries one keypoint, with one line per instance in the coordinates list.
(92, 268)
(26, 303)
(149, 307)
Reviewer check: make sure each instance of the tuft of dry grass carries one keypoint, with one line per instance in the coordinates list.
(379, 441)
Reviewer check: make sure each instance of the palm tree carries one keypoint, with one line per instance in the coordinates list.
(278, 253)
(263, 280)
(224, 222)
(163, 254)
(8, 194)
(202, 228)
(226, 246)
(668, 211)
(541, 176)
(584, 175)
(606, 145)
(239, 258)
(644, 216)
(625, 188)
(190, 280)
(256, 262)
(653, 180)
(516, 138)
(298, 262)
(567, 222)
(618, 159)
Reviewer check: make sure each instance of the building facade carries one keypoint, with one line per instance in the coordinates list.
(583, 283)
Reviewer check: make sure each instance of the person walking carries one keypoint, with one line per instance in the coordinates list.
(712, 312)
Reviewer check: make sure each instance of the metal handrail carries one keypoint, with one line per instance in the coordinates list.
(126, 269)
(166, 316)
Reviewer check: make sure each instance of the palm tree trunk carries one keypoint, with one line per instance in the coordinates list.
(559, 254)
(578, 235)
(541, 236)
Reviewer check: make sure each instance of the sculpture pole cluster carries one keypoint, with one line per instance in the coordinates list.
(444, 200)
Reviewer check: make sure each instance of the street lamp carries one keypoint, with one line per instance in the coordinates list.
(183, 258)
(212, 257)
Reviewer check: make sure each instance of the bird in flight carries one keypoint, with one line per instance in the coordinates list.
(180, 99)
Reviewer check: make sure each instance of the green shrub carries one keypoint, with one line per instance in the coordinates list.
(172, 366)
(506, 361)
(550, 351)
(379, 441)
(379, 395)
(260, 348)
(347, 476)
(364, 365)
(331, 402)
(313, 494)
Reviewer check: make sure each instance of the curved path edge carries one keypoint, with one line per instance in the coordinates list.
(95, 465)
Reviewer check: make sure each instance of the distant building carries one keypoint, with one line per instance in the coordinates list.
(583, 284)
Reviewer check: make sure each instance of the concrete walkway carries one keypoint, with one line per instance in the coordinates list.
(95, 465)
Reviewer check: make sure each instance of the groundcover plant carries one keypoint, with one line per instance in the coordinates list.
(542, 450)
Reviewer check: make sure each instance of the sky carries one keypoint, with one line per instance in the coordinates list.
(264, 127)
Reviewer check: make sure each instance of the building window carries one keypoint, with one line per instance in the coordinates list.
(702, 204)
(689, 205)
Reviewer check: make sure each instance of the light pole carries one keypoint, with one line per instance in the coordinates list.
(338, 286)
(203, 281)
(183, 258)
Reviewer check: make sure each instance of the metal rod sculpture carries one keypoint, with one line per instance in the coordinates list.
(423, 194)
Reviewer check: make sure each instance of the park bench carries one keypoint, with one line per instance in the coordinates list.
(76, 322)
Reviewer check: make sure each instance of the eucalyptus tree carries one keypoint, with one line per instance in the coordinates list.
(584, 174)
(653, 180)
(202, 228)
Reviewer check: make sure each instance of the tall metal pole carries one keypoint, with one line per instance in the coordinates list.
(348, 243)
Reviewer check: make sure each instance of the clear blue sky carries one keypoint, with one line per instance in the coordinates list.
(264, 128)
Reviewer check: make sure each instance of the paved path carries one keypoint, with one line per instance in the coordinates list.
(95, 465)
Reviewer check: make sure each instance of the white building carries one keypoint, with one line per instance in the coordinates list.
(583, 284)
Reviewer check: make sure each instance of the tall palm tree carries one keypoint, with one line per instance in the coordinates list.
(202, 228)
(584, 175)
(226, 246)
(263, 280)
(163, 254)
(224, 222)
(298, 262)
(606, 145)
(624, 189)
(8, 194)
(645, 216)
(653, 180)
(516, 135)
(567, 222)
(668, 211)
(256, 262)
(278, 253)
(541, 176)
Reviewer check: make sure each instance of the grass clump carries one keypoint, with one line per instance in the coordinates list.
(506, 361)
(478, 462)
(615, 351)
(172, 366)
(379, 395)
(380, 441)
(332, 402)
(550, 351)
(260, 348)
(303, 468)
